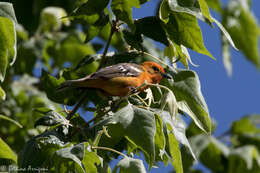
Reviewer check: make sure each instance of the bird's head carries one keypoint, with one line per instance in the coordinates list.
(155, 71)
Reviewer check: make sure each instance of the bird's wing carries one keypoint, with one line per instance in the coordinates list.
(118, 70)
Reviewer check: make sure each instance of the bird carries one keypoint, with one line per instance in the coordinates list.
(120, 79)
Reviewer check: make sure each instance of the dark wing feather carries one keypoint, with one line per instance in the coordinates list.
(118, 70)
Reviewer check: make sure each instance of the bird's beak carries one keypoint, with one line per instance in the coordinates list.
(165, 75)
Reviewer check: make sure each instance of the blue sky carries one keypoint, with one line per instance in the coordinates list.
(228, 98)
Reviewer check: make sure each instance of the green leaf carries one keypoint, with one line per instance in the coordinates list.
(130, 165)
(136, 125)
(211, 152)
(214, 155)
(243, 159)
(205, 9)
(7, 45)
(175, 52)
(188, 7)
(91, 7)
(178, 129)
(27, 55)
(191, 8)
(151, 27)
(187, 90)
(173, 145)
(159, 139)
(6, 152)
(2, 93)
(183, 29)
(238, 20)
(51, 19)
(143, 122)
(117, 39)
(170, 100)
(164, 11)
(134, 40)
(11, 120)
(92, 32)
(215, 5)
(64, 156)
(91, 160)
(51, 118)
(123, 10)
(225, 33)
(227, 61)
(71, 48)
(38, 150)
(246, 125)
(7, 10)
(50, 84)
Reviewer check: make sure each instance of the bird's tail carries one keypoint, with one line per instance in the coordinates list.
(78, 83)
(65, 85)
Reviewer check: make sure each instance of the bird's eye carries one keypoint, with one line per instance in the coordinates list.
(155, 68)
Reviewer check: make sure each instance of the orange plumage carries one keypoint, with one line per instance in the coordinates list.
(120, 79)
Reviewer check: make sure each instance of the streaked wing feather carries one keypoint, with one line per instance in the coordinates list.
(118, 70)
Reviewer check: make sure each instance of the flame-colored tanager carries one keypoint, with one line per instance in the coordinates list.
(120, 79)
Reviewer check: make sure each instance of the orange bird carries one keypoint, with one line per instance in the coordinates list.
(120, 79)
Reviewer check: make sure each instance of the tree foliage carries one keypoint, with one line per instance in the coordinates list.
(55, 41)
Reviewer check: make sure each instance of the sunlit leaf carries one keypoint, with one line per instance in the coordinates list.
(205, 9)
(127, 122)
(51, 19)
(8, 45)
(227, 61)
(246, 125)
(170, 100)
(187, 90)
(238, 20)
(6, 152)
(51, 118)
(2, 93)
(123, 10)
(130, 165)
(117, 40)
(65, 156)
(215, 5)
(7, 10)
(178, 129)
(183, 29)
(225, 33)
(174, 150)
(91, 160)
(159, 138)
(212, 153)
(243, 158)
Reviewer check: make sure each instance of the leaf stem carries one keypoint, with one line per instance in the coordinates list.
(109, 149)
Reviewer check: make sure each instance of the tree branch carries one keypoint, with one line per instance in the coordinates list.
(114, 28)
(74, 110)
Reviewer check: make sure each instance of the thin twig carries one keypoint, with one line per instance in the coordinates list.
(142, 100)
(74, 110)
(114, 28)
(109, 149)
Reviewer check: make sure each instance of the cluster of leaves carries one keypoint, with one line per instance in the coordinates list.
(149, 123)
(235, 151)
